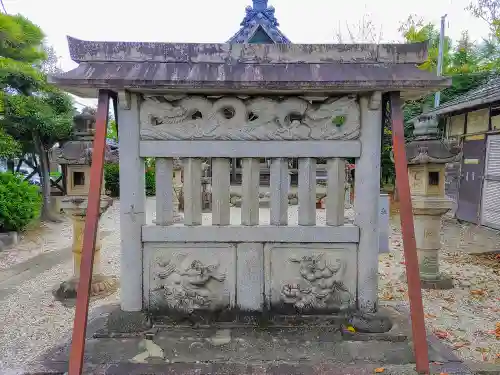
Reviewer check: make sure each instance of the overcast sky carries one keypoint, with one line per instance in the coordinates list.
(311, 21)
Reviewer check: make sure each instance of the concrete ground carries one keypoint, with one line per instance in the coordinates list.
(464, 318)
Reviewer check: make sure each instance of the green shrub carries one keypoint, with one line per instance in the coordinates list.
(20, 202)
(150, 182)
(112, 179)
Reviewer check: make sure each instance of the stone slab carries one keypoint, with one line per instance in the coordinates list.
(315, 348)
(310, 277)
(8, 240)
(189, 276)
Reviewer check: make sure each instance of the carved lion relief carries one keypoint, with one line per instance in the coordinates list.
(320, 287)
(250, 119)
(187, 284)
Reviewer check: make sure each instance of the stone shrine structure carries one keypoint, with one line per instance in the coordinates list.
(76, 156)
(427, 157)
(221, 101)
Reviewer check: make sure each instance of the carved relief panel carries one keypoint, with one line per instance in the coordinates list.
(189, 277)
(249, 119)
(310, 278)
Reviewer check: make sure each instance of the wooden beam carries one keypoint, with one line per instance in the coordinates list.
(89, 236)
(408, 231)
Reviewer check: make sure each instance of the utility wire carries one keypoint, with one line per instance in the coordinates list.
(3, 6)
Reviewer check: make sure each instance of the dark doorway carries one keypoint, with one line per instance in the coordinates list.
(471, 179)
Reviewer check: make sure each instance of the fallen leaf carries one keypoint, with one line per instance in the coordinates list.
(440, 334)
(351, 329)
(402, 290)
(478, 292)
(379, 370)
(429, 315)
(443, 373)
(459, 345)
(387, 296)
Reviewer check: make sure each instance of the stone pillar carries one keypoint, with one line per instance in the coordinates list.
(367, 190)
(132, 204)
(177, 185)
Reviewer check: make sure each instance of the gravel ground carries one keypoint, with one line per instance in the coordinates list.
(46, 237)
(467, 318)
(32, 321)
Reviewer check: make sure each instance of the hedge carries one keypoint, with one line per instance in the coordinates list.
(20, 202)
(112, 180)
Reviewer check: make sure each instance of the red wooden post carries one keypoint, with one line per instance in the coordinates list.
(89, 236)
(408, 231)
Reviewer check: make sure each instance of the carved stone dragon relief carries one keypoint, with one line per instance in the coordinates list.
(187, 288)
(250, 119)
(320, 285)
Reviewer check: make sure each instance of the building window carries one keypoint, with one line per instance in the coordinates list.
(433, 178)
(79, 178)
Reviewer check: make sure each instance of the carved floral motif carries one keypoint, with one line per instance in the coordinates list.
(188, 288)
(252, 119)
(321, 285)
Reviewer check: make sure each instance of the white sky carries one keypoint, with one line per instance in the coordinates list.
(311, 21)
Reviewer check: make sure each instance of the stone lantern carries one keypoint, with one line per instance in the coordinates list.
(427, 156)
(76, 156)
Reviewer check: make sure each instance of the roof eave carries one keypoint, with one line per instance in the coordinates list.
(461, 106)
(409, 90)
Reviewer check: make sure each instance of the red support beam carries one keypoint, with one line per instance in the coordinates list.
(89, 235)
(408, 231)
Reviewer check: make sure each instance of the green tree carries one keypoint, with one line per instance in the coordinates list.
(112, 130)
(414, 30)
(489, 12)
(35, 113)
(465, 57)
(9, 148)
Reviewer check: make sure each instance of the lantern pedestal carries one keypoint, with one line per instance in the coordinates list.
(101, 285)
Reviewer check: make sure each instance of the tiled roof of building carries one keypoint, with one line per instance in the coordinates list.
(484, 94)
(259, 26)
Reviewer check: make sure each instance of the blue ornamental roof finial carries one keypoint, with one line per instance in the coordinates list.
(259, 25)
(259, 5)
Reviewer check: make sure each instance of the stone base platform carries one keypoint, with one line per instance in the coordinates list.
(289, 347)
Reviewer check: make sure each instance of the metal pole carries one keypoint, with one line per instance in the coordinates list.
(408, 231)
(437, 97)
(89, 236)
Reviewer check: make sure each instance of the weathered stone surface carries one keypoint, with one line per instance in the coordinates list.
(120, 321)
(310, 278)
(8, 239)
(252, 119)
(189, 277)
(81, 50)
(273, 68)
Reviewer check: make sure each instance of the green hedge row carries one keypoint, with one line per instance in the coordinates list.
(112, 180)
(20, 202)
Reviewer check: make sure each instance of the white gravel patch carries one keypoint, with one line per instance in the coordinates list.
(32, 321)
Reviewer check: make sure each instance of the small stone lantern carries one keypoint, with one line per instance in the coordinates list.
(76, 155)
(427, 156)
